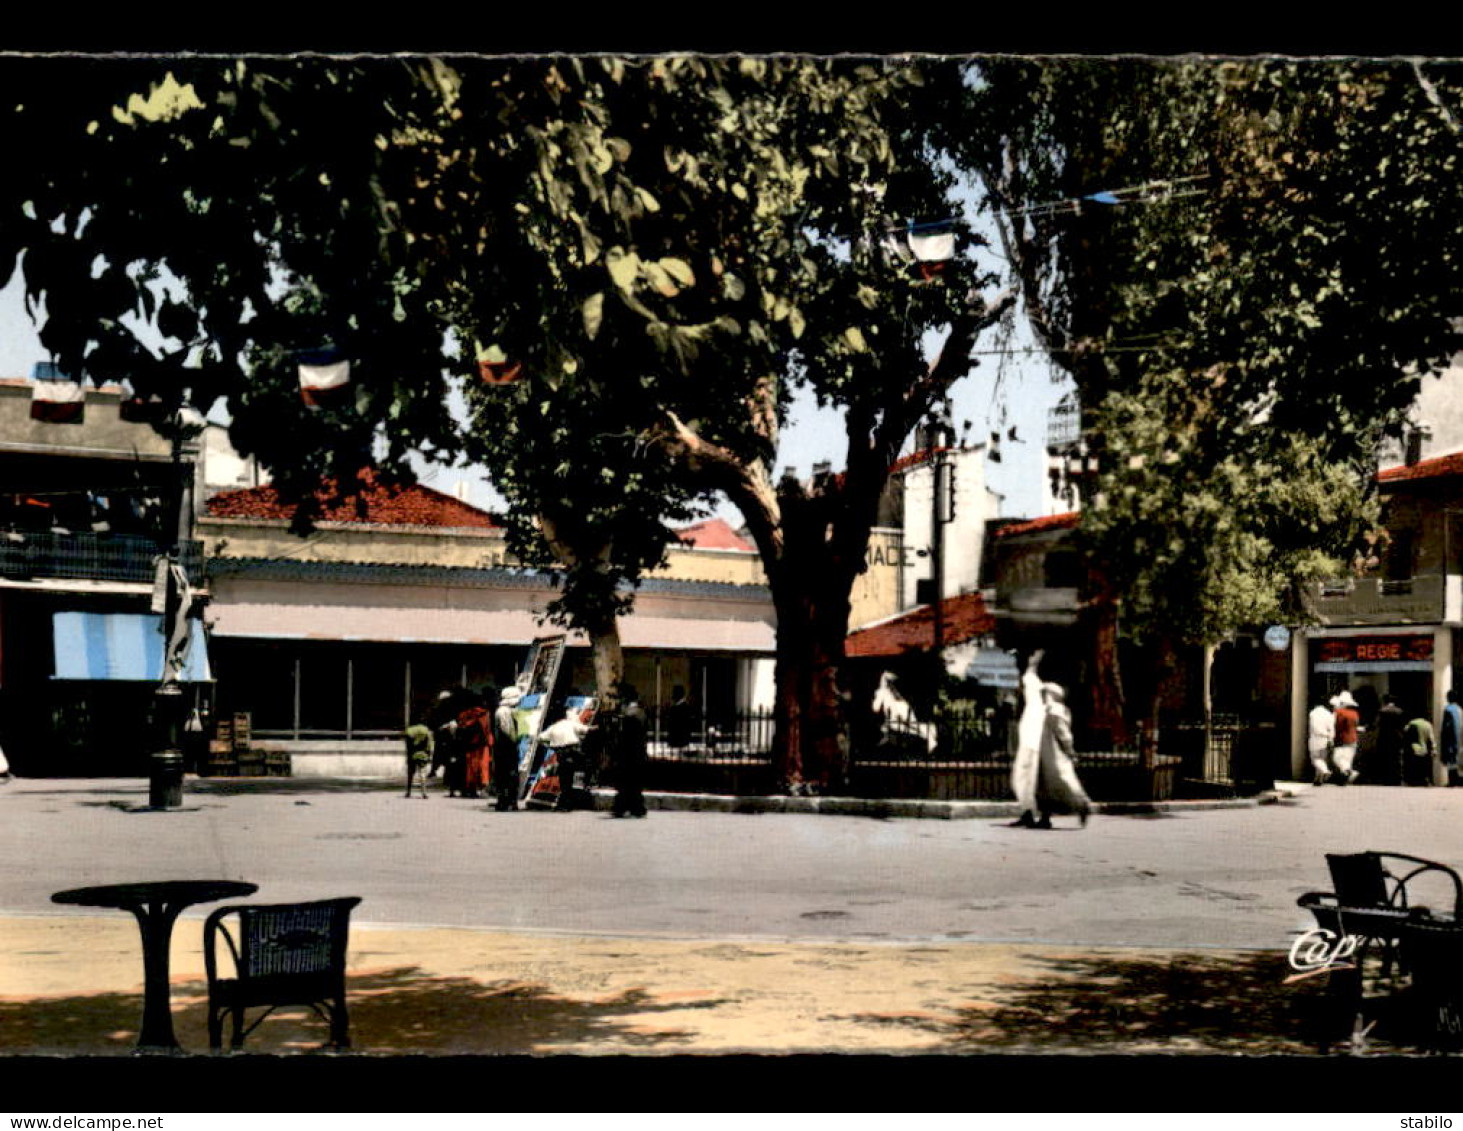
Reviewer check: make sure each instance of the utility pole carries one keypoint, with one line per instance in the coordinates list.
(942, 510)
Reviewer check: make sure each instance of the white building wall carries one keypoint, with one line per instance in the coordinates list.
(964, 536)
(223, 467)
(1440, 408)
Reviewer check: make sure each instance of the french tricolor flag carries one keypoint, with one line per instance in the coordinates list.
(931, 246)
(58, 402)
(325, 375)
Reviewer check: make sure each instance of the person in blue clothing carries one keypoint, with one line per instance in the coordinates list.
(1449, 740)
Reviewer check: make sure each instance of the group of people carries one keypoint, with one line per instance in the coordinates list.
(471, 736)
(473, 741)
(1406, 751)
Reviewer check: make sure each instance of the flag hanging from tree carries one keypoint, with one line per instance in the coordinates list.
(927, 248)
(58, 402)
(325, 375)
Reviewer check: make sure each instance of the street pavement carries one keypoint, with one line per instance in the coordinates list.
(704, 931)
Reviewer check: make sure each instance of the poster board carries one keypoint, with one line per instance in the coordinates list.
(543, 671)
(546, 786)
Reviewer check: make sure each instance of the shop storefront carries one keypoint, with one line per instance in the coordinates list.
(1413, 664)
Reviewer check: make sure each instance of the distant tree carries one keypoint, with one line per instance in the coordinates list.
(1247, 267)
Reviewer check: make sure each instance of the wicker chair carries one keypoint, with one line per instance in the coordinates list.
(1433, 952)
(286, 954)
(1370, 898)
(1373, 901)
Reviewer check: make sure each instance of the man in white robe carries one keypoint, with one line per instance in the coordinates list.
(1058, 787)
(1026, 765)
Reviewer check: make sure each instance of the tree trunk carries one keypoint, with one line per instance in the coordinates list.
(810, 742)
(1102, 676)
(609, 661)
(1166, 671)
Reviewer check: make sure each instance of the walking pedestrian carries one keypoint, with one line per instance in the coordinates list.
(1422, 749)
(418, 738)
(1322, 734)
(1348, 724)
(628, 748)
(505, 749)
(1450, 738)
(447, 749)
(474, 733)
(1058, 787)
(1391, 749)
(1026, 765)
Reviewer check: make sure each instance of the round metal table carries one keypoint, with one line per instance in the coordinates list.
(156, 904)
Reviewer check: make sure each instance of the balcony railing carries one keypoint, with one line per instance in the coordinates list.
(28, 556)
(1374, 600)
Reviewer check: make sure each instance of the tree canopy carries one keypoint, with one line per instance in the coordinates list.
(663, 248)
(1247, 267)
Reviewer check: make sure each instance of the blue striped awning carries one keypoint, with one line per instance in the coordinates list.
(122, 646)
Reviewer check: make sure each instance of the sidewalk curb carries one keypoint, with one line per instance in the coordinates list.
(833, 806)
(885, 808)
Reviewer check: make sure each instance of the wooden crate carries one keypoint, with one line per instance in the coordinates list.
(277, 763)
(251, 763)
(221, 766)
(242, 731)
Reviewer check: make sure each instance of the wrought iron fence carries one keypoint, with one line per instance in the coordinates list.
(677, 733)
(965, 753)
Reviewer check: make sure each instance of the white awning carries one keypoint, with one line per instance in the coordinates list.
(278, 621)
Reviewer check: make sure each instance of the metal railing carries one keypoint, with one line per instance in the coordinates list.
(970, 757)
(675, 733)
(87, 556)
(1383, 600)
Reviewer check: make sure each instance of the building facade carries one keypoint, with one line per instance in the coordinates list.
(335, 642)
(87, 505)
(1392, 625)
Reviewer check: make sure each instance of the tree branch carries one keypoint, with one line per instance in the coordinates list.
(952, 363)
(1434, 97)
(1022, 256)
(746, 483)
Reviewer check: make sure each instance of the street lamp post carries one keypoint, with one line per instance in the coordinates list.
(165, 776)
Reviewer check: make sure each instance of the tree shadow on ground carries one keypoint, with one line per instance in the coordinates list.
(1189, 1003)
(399, 1011)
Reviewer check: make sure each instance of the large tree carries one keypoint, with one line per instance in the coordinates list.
(666, 247)
(1247, 267)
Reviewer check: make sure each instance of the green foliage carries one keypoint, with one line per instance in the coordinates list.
(1252, 319)
(646, 237)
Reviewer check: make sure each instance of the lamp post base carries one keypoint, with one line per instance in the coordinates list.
(165, 780)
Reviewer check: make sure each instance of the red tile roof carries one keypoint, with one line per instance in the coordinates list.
(966, 617)
(713, 534)
(412, 505)
(1436, 468)
(1037, 525)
